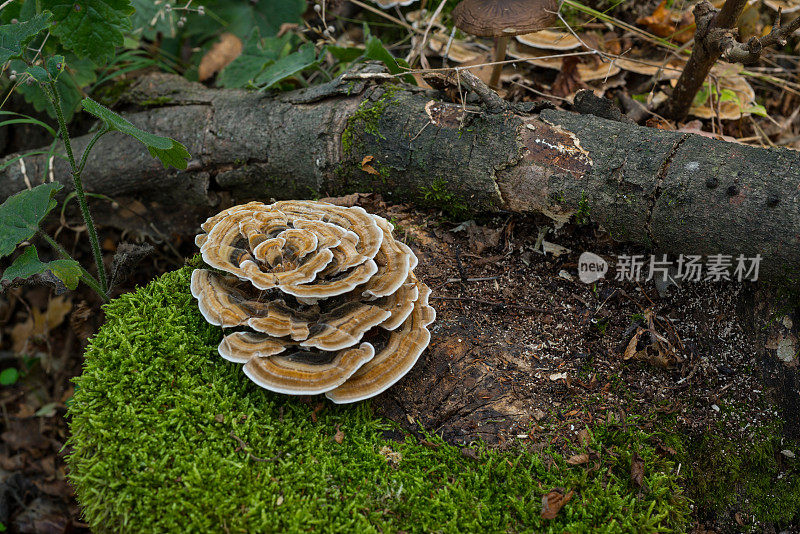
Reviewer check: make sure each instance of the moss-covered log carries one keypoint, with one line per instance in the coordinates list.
(676, 192)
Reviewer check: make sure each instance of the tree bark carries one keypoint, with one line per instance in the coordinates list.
(675, 192)
(705, 53)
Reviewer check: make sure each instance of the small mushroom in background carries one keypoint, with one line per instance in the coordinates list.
(388, 4)
(785, 6)
(323, 298)
(502, 19)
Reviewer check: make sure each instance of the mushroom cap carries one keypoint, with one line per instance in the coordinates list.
(399, 355)
(587, 71)
(497, 18)
(330, 324)
(786, 6)
(309, 286)
(306, 249)
(240, 347)
(458, 51)
(303, 372)
(387, 4)
(652, 67)
(550, 40)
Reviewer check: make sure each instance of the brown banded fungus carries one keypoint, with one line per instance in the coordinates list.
(322, 298)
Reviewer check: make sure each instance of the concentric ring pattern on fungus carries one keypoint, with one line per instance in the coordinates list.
(320, 298)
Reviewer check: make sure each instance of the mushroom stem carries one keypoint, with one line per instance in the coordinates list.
(499, 55)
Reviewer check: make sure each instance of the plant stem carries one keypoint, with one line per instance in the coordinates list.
(76, 178)
(499, 55)
(88, 148)
(87, 278)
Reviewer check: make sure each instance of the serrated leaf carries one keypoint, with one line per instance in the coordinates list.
(91, 28)
(28, 264)
(38, 73)
(55, 66)
(14, 37)
(241, 17)
(35, 95)
(80, 73)
(168, 151)
(303, 58)
(21, 214)
(256, 54)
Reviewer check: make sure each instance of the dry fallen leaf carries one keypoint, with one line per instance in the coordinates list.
(584, 437)
(637, 470)
(553, 502)
(568, 80)
(339, 436)
(660, 23)
(630, 350)
(366, 167)
(347, 201)
(578, 459)
(470, 453)
(41, 322)
(221, 54)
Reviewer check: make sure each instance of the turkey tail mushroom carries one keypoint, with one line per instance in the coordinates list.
(313, 289)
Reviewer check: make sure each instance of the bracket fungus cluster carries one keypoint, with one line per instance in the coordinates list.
(322, 298)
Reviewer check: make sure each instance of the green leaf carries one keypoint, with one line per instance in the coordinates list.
(256, 54)
(8, 377)
(38, 73)
(756, 109)
(727, 95)
(21, 214)
(55, 66)
(240, 17)
(345, 54)
(70, 84)
(702, 95)
(25, 119)
(14, 37)
(375, 50)
(303, 58)
(91, 28)
(168, 151)
(28, 264)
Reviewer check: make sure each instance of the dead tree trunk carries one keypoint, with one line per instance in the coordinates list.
(674, 192)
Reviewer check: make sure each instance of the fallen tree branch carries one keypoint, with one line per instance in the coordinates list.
(750, 52)
(675, 192)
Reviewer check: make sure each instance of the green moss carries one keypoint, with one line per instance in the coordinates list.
(157, 417)
(583, 215)
(439, 196)
(156, 102)
(366, 118)
(748, 475)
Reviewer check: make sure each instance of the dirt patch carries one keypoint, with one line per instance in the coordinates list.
(520, 341)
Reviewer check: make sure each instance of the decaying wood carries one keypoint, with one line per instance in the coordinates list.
(676, 192)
